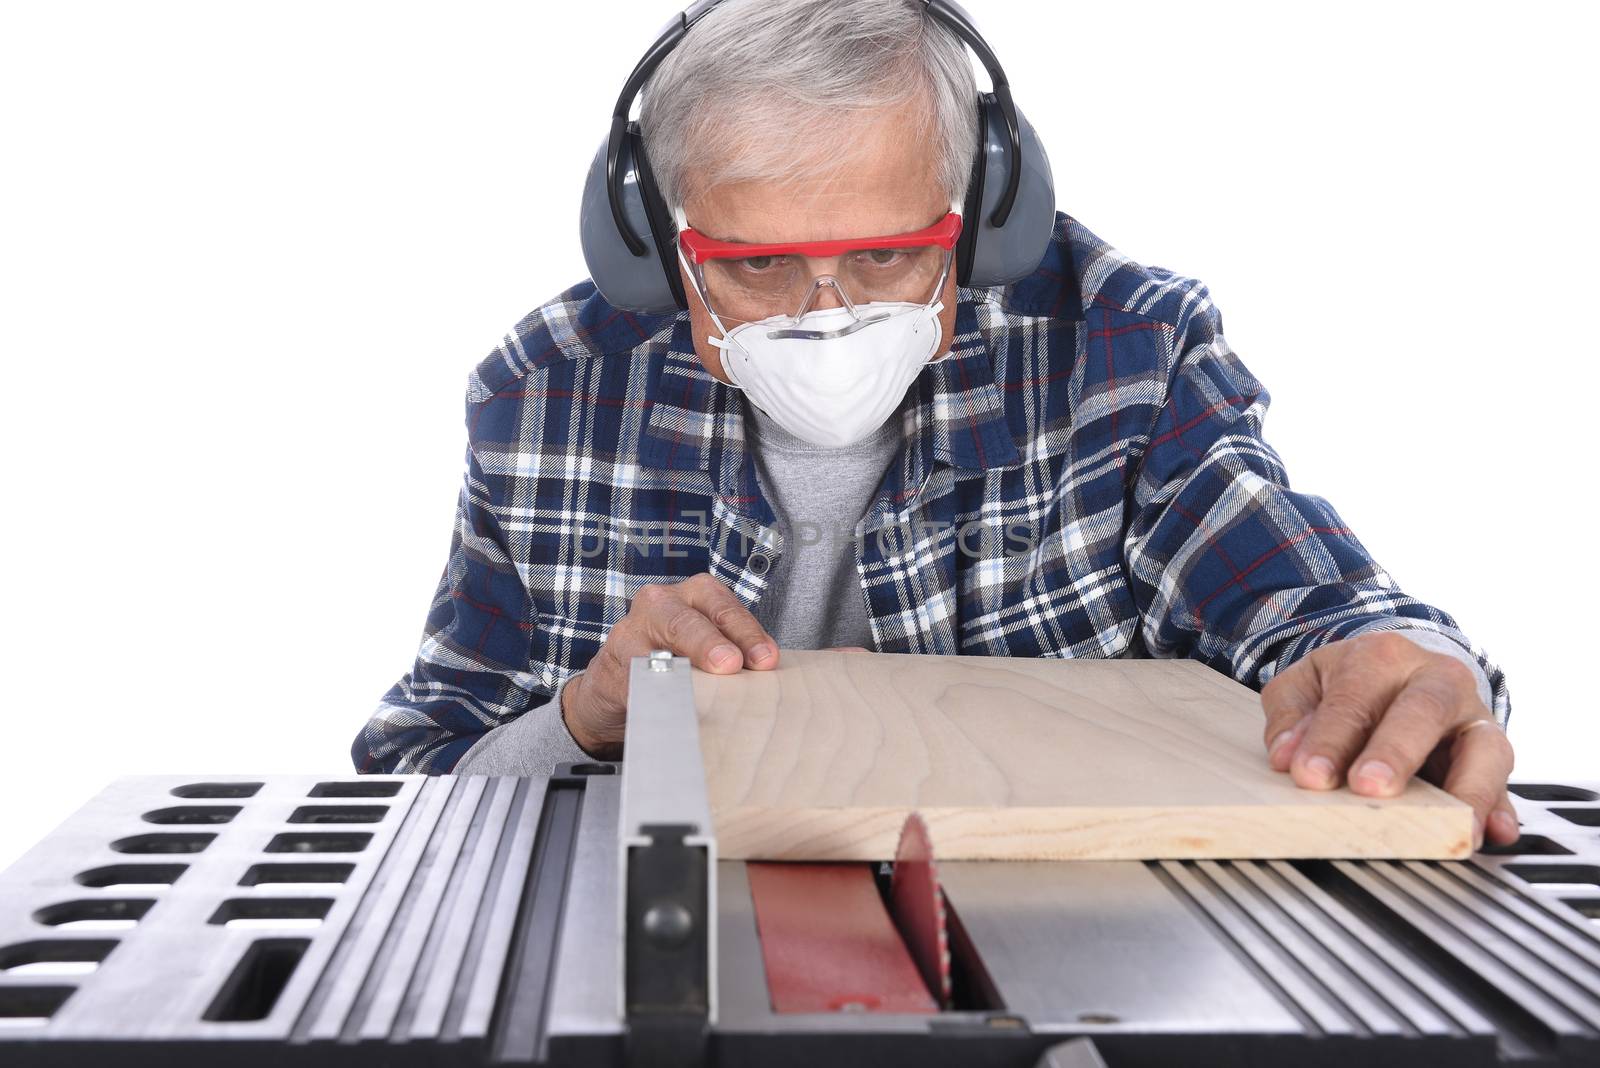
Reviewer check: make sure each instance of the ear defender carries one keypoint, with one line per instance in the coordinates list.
(646, 281)
(995, 254)
(629, 237)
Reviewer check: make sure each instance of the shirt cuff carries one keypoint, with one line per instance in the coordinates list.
(532, 744)
(1435, 642)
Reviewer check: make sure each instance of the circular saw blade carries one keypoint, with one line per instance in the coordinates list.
(917, 905)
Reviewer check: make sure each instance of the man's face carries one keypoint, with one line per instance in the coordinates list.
(889, 189)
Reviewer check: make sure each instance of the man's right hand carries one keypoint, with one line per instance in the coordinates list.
(698, 618)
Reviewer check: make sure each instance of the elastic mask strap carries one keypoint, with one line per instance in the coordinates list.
(938, 301)
(726, 341)
(936, 307)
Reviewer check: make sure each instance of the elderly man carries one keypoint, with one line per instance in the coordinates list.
(835, 443)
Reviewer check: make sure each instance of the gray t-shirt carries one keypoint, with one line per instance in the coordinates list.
(814, 598)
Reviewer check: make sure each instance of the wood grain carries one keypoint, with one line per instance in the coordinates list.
(1024, 759)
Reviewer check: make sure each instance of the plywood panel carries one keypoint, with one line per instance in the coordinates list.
(1023, 759)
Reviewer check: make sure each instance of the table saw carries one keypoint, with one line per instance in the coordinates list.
(585, 919)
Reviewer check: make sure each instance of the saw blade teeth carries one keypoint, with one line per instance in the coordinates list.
(919, 907)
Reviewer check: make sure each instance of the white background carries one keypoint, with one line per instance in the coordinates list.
(249, 253)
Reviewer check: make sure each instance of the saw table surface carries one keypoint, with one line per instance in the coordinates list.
(474, 921)
(588, 919)
(1025, 759)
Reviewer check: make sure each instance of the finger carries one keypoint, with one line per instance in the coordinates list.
(599, 738)
(1434, 701)
(1503, 827)
(1480, 764)
(1288, 701)
(593, 704)
(717, 603)
(668, 621)
(1355, 692)
(604, 683)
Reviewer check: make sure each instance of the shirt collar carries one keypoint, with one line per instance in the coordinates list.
(959, 410)
(682, 404)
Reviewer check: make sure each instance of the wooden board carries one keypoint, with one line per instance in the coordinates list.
(1017, 759)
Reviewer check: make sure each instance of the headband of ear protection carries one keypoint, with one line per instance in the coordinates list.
(629, 235)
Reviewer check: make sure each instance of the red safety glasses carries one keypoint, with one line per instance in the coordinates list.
(753, 282)
(700, 248)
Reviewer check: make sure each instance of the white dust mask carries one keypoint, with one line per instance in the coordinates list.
(834, 390)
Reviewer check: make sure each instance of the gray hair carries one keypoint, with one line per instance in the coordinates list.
(754, 78)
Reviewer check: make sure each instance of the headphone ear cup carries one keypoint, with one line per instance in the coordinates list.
(1003, 254)
(663, 227)
(632, 283)
(974, 200)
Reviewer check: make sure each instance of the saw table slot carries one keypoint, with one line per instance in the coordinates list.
(1529, 845)
(164, 842)
(338, 814)
(355, 789)
(55, 956)
(353, 842)
(252, 988)
(102, 914)
(31, 1006)
(272, 912)
(192, 814)
(216, 789)
(1550, 877)
(1583, 817)
(1549, 791)
(518, 1029)
(124, 876)
(283, 874)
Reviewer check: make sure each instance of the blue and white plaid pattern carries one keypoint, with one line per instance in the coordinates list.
(1084, 476)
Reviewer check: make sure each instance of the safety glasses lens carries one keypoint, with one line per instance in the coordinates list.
(760, 287)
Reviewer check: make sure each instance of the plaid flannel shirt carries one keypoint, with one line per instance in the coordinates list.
(1083, 476)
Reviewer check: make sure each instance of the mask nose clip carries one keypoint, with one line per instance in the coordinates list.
(856, 321)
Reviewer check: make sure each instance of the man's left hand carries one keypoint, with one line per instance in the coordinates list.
(1377, 709)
